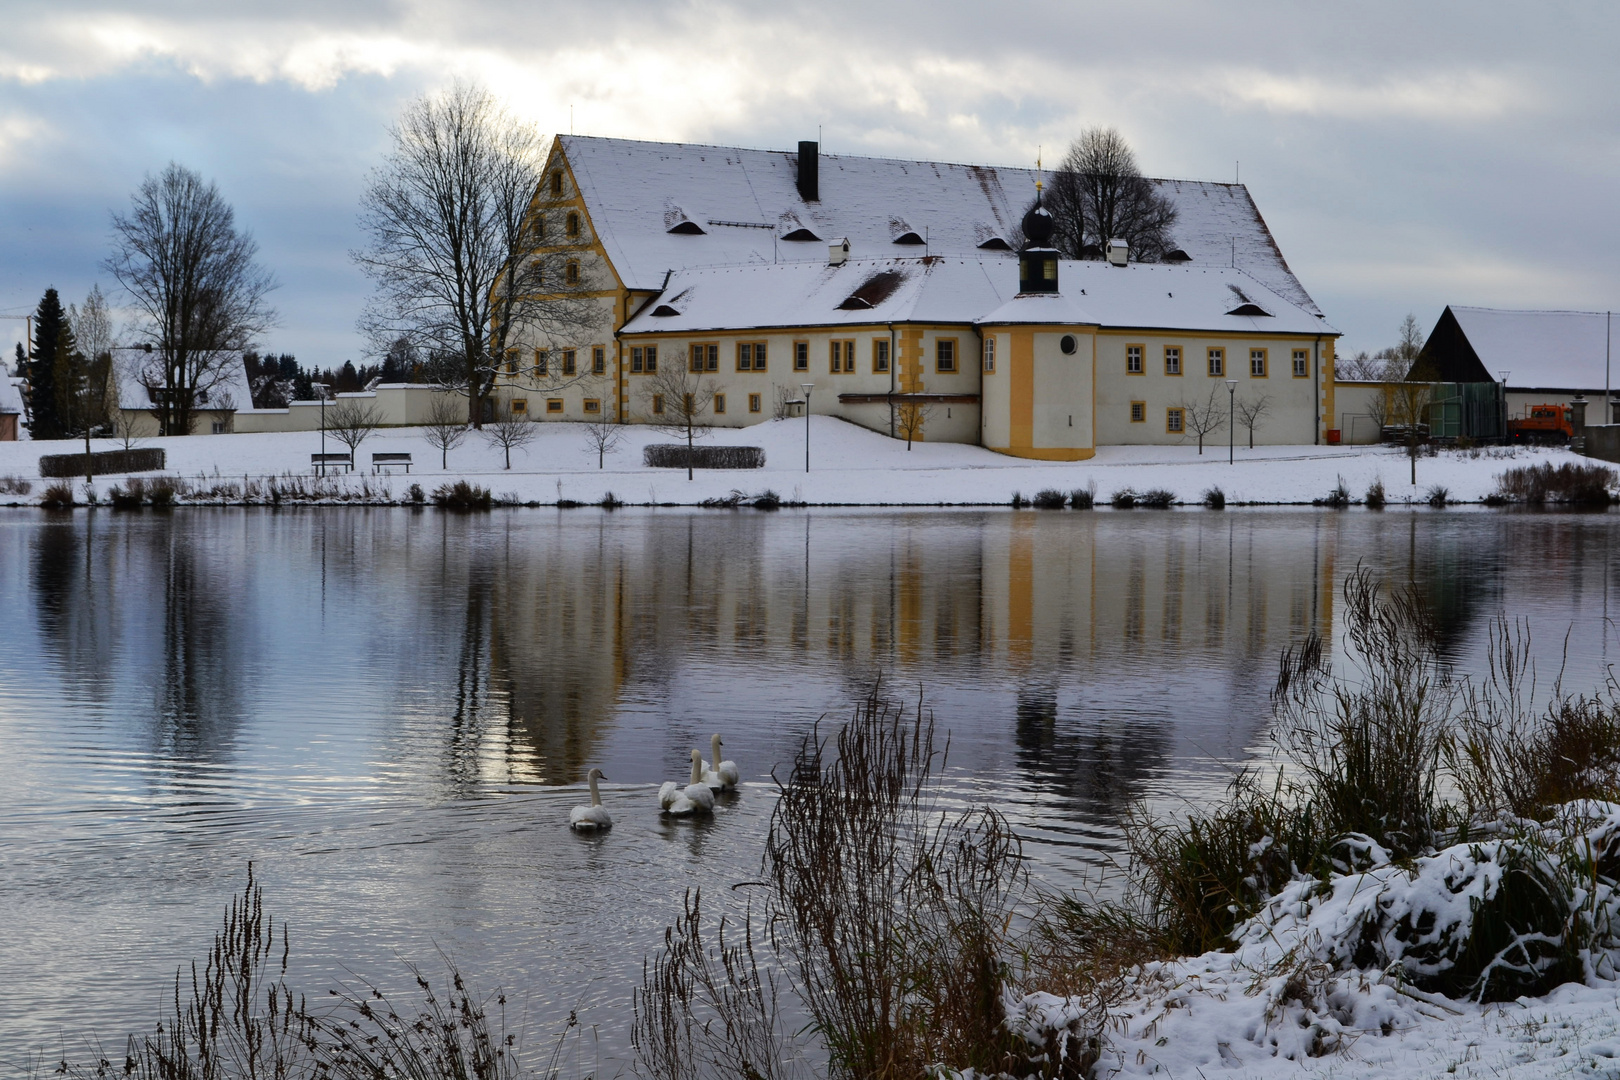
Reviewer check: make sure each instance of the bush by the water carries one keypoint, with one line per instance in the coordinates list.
(461, 496)
(1084, 498)
(1156, 499)
(1338, 498)
(14, 485)
(1214, 498)
(1124, 499)
(57, 496)
(1452, 830)
(1375, 497)
(1049, 499)
(1591, 485)
(675, 456)
(102, 462)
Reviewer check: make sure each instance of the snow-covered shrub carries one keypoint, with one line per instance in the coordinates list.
(1565, 483)
(14, 485)
(1124, 499)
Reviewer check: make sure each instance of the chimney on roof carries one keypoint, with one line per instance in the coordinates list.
(809, 172)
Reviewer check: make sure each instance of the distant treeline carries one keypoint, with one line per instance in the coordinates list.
(277, 378)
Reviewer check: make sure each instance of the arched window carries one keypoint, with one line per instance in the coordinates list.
(571, 274)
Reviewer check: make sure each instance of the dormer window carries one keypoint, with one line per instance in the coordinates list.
(908, 238)
(995, 243)
(800, 234)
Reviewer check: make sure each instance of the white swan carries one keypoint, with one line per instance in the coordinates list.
(722, 775)
(594, 816)
(695, 798)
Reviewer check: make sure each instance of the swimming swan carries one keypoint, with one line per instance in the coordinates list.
(594, 816)
(723, 775)
(695, 798)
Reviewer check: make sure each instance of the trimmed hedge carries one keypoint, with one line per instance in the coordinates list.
(673, 456)
(147, 459)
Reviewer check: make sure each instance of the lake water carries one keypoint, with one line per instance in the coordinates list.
(391, 711)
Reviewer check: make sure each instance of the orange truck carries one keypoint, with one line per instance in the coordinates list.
(1543, 424)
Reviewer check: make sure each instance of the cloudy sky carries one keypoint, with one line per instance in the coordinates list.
(1405, 155)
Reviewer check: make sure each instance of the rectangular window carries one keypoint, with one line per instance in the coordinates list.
(719, 403)
(1138, 412)
(568, 361)
(571, 272)
(593, 405)
(1217, 362)
(542, 362)
(945, 354)
(989, 354)
(1302, 364)
(801, 356)
(751, 356)
(554, 404)
(1257, 363)
(598, 360)
(520, 406)
(880, 355)
(843, 356)
(652, 358)
(658, 404)
(753, 403)
(635, 358)
(1172, 359)
(705, 357)
(511, 361)
(1133, 359)
(1175, 421)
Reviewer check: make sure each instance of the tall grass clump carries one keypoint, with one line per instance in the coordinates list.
(1375, 498)
(1438, 496)
(461, 496)
(1084, 498)
(1049, 499)
(1577, 484)
(900, 925)
(1338, 497)
(14, 485)
(1214, 498)
(1124, 499)
(57, 496)
(1157, 499)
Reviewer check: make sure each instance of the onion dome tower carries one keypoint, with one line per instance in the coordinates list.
(1038, 261)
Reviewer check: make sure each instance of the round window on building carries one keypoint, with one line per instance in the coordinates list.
(1067, 345)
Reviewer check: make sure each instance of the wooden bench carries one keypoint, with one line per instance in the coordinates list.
(322, 462)
(379, 461)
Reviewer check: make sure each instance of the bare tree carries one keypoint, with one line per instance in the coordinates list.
(1251, 413)
(195, 282)
(783, 398)
(351, 422)
(1203, 418)
(677, 398)
(509, 431)
(911, 418)
(126, 430)
(603, 434)
(446, 425)
(458, 260)
(1409, 402)
(1098, 194)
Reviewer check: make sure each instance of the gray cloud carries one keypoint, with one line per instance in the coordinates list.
(1404, 158)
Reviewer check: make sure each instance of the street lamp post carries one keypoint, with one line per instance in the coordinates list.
(1231, 421)
(807, 387)
(1504, 375)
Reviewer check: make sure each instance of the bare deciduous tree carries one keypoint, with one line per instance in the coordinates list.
(677, 399)
(351, 422)
(446, 425)
(911, 418)
(195, 282)
(454, 250)
(1409, 402)
(1251, 413)
(1203, 418)
(603, 434)
(126, 430)
(509, 431)
(1098, 194)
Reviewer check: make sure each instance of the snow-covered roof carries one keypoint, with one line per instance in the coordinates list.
(10, 396)
(940, 289)
(859, 292)
(648, 200)
(1160, 296)
(137, 370)
(1564, 349)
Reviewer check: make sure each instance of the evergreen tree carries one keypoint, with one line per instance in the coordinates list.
(53, 343)
(19, 367)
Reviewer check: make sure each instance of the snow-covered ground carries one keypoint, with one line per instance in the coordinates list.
(848, 465)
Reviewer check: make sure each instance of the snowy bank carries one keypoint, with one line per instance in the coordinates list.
(849, 465)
